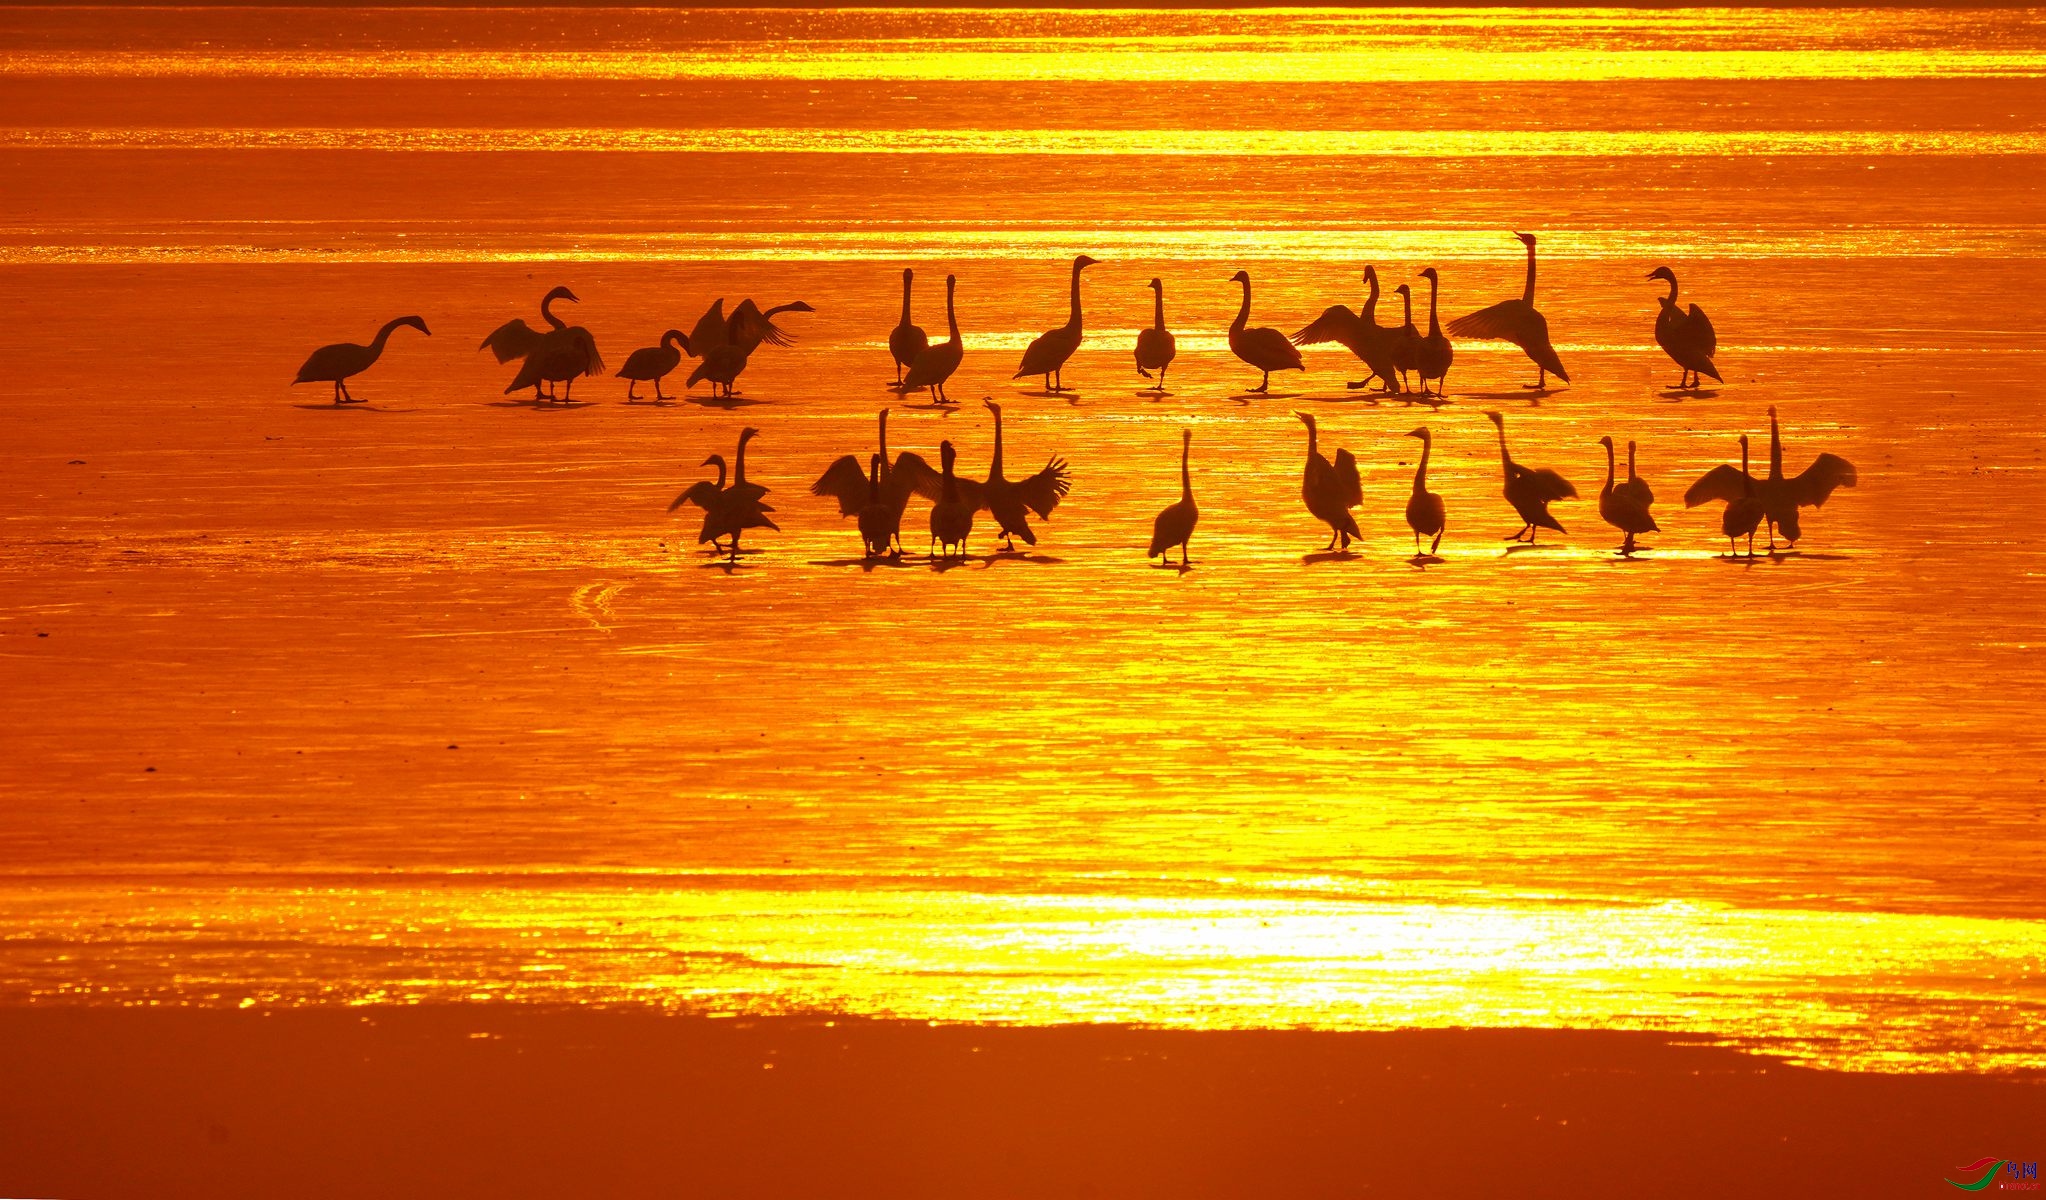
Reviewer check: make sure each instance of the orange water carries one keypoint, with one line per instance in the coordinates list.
(1794, 802)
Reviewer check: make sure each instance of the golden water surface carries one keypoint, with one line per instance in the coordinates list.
(428, 698)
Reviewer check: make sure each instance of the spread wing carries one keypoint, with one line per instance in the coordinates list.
(1043, 491)
(1701, 329)
(1546, 485)
(709, 331)
(1722, 482)
(1335, 324)
(926, 481)
(589, 344)
(1828, 471)
(703, 493)
(846, 482)
(1351, 488)
(513, 339)
(749, 324)
(1509, 320)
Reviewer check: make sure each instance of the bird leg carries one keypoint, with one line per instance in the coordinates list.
(657, 389)
(631, 396)
(337, 392)
(1438, 538)
(1265, 385)
(1541, 383)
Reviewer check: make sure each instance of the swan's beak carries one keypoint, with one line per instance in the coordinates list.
(423, 329)
(570, 296)
(1419, 433)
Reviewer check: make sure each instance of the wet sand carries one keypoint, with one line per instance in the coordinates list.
(509, 1101)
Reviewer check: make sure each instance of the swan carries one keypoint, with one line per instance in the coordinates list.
(344, 360)
(951, 516)
(738, 507)
(1518, 321)
(1622, 508)
(721, 365)
(558, 356)
(1433, 354)
(704, 495)
(1635, 486)
(1265, 348)
(516, 339)
(935, 365)
(1359, 333)
(1781, 497)
(1687, 337)
(1425, 514)
(1048, 352)
(880, 519)
(1331, 490)
(1406, 340)
(748, 326)
(1530, 491)
(1156, 346)
(1007, 502)
(1737, 488)
(711, 330)
(906, 340)
(653, 362)
(1175, 525)
(855, 489)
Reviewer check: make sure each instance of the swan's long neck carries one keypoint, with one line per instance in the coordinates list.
(1073, 318)
(1242, 314)
(1527, 293)
(1434, 326)
(951, 314)
(779, 308)
(376, 346)
(1505, 459)
(1371, 301)
(1672, 299)
(720, 464)
(994, 469)
(1630, 462)
(1421, 472)
(1158, 309)
(885, 467)
(905, 297)
(1407, 306)
(739, 461)
(547, 314)
(1313, 436)
(1775, 449)
(950, 491)
(1747, 480)
(1185, 475)
(1609, 467)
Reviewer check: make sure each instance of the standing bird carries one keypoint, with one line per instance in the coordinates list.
(344, 360)
(880, 520)
(653, 362)
(1425, 513)
(1048, 352)
(1781, 497)
(1530, 492)
(706, 495)
(558, 356)
(1007, 502)
(1621, 507)
(1687, 337)
(1156, 346)
(935, 365)
(722, 366)
(1175, 525)
(516, 339)
(1264, 348)
(1359, 333)
(855, 490)
(738, 507)
(1406, 340)
(951, 516)
(1743, 508)
(1433, 354)
(906, 340)
(1517, 321)
(1331, 490)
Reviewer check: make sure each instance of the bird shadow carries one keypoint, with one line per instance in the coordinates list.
(1153, 393)
(868, 564)
(1523, 547)
(1329, 556)
(1807, 555)
(1366, 401)
(727, 403)
(1177, 568)
(1022, 556)
(358, 406)
(1245, 397)
(1422, 562)
(543, 405)
(667, 403)
(1531, 395)
(1062, 393)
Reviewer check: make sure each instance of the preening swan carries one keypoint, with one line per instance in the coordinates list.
(935, 365)
(1425, 513)
(907, 339)
(1156, 346)
(1433, 354)
(342, 361)
(1048, 352)
(1622, 508)
(1175, 525)
(1519, 322)
(653, 362)
(1743, 508)
(1530, 490)
(1331, 490)
(1265, 348)
(1011, 503)
(1687, 337)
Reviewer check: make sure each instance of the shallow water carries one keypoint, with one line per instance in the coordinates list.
(439, 703)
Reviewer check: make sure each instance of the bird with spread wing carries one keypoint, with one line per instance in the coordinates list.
(1519, 322)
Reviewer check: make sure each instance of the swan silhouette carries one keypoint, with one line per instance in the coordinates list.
(1175, 525)
(516, 339)
(1048, 352)
(1156, 347)
(880, 521)
(1011, 503)
(1737, 488)
(1433, 354)
(1264, 348)
(1406, 340)
(1359, 333)
(342, 361)
(749, 326)
(1687, 337)
(1331, 490)
(1425, 513)
(1635, 487)
(558, 356)
(1519, 322)
(705, 494)
(738, 507)
(1622, 507)
(1781, 497)
(935, 365)
(952, 515)
(907, 339)
(855, 490)
(1530, 490)
(652, 362)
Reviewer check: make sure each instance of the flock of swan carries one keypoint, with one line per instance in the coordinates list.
(878, 491)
